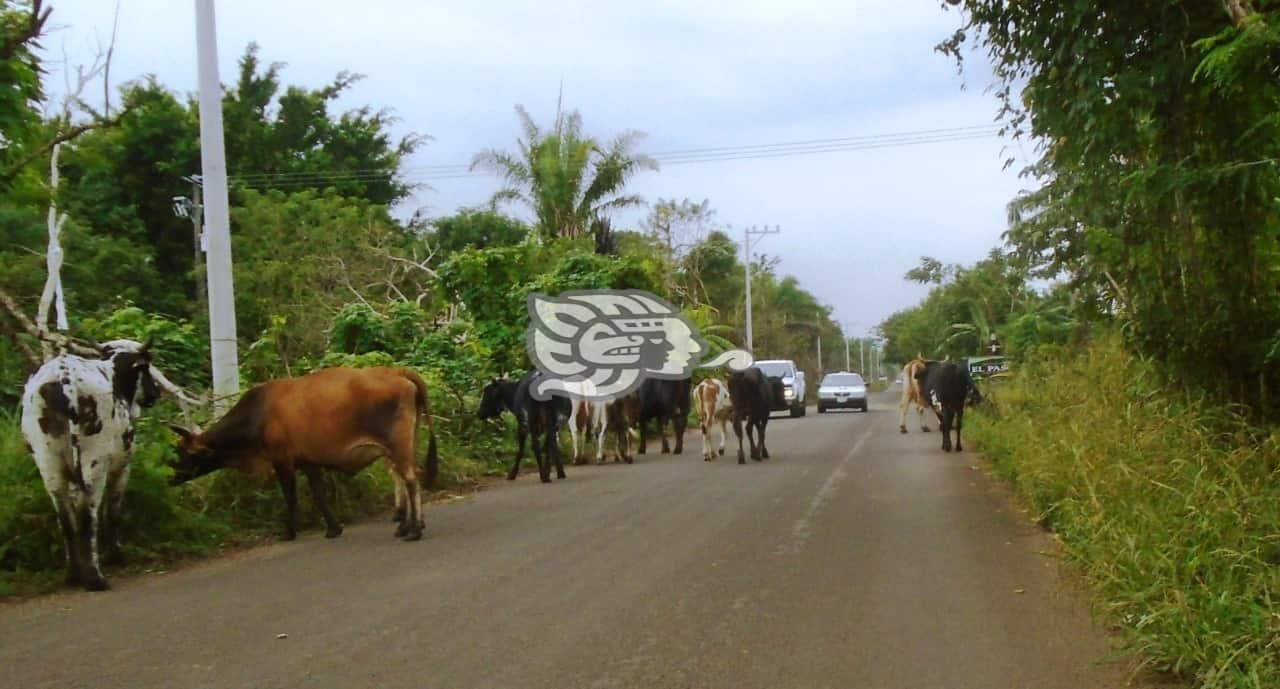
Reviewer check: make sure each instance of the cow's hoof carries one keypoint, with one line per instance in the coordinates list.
(96, 583)
(765, 454)
(706, 458)
(333, 532)
(722, 452)
(902, 429)
(546, 479)
(399, 516)
(413, 535)
(629, 460)
(924, 429)
(741, 459)
(402, 530)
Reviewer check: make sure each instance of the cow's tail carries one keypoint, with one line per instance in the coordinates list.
(424, 413)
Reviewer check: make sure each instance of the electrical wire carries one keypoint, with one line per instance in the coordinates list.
(694, 156)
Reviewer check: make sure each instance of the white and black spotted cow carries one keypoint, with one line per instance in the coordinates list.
(78, 417)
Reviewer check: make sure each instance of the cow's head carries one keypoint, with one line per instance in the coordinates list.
(132, 380)
(195, 457)
(493, 399)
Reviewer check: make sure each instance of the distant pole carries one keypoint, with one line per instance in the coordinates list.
(746, 245)
(862, 360)
(819, 319)
(213, 165)
(846, 352)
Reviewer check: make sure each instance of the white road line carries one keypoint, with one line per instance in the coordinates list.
(803, 526)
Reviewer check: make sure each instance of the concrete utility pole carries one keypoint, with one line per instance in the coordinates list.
(846, 352)
(818, 320)
(746, 245)
(213, 165)
(862, 360)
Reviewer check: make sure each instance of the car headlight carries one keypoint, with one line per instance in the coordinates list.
(788, 392)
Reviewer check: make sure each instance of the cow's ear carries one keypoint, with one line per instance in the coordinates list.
(182, 431)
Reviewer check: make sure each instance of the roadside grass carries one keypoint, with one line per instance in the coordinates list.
(1169, 505)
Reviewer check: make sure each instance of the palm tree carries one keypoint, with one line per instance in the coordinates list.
(565, 177)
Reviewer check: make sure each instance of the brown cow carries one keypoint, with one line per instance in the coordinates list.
(912, 393)
(341, 419)
(711, 398)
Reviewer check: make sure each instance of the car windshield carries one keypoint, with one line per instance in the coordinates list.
(774, 368)
(842, 379)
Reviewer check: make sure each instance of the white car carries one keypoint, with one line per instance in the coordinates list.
(784, 373)
(842, 390)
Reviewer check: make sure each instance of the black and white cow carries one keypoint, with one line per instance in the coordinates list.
(78, 417)
(662, 401)
(947, 386)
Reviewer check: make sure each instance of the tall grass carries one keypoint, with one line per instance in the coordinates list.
(1170, 506)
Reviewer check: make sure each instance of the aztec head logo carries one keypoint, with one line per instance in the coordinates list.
(600, 344)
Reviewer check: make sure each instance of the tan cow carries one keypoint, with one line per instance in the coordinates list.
(911, 393)
(711, 399)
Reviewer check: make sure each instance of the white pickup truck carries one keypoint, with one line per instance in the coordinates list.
(788, 383)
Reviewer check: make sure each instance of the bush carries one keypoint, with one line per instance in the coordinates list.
(1170, 506)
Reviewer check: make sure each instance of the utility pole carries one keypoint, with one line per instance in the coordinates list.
(862, 360)
(746, 245)
(846, 352)
(818, 319)
(213, 166)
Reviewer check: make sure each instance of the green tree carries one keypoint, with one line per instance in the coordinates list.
(564, 177)
(1159, 130)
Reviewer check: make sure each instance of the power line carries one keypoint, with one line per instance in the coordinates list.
(675, 157)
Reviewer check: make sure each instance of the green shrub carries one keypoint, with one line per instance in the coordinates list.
(1169, 505)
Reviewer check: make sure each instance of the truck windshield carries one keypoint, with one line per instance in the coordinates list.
(843, 379)
(774, 369)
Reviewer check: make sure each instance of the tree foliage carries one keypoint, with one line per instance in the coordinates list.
(1158, 138)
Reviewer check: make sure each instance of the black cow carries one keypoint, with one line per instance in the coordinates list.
(664, 400)
(751, 396)
(541, 419)
(947, 386)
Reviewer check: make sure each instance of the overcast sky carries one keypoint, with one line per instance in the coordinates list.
(690, 74)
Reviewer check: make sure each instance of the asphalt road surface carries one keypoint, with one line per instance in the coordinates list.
(855, 557)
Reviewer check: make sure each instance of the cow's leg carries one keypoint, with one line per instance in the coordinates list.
(644, 440)
(752, 425)
(116, 484)
(959, 422)
(538, 443)
(601, 435)
(522, 434)
(575, 431)
(289, 489)
(764, 423)
(315, 479)
(679, 423)
(67, 517)
(401, 497)
(662, 432)
(704, 423)
(553, 449)
(945, 419)
(902, 411)
(737, 430)
(724, 433)
(92, 513)
(920, 411)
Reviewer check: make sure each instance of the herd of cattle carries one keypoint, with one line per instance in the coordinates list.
(78, 416)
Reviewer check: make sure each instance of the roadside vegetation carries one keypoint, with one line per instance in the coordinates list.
(331, 267)
(1136, 297)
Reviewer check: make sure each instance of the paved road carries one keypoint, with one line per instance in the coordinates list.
(856, 557)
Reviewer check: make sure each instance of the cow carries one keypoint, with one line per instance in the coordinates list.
(588, 419)
(664, 400)
(539, 418)
(912, 394)
(340, 419)
(711, 399)
(948, 387)
(78, 418)
(751, 397)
